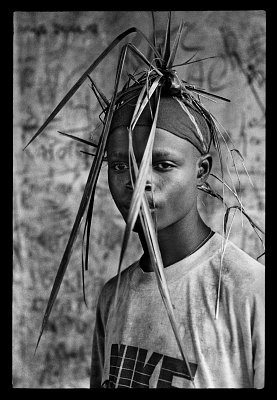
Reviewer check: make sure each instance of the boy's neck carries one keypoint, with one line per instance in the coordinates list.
(177, 242)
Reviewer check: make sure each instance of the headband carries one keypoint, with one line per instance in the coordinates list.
(175, 116)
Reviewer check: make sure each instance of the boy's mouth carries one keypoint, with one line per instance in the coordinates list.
(151, 204)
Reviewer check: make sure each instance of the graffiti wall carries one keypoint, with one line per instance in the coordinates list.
(51, 51)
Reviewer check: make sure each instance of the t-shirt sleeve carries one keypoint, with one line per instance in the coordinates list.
(97, 357)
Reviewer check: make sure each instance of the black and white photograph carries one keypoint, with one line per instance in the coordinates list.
(139, 199)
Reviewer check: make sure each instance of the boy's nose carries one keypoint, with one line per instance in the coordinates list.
(148, 186)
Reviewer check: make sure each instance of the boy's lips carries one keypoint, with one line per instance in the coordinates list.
(153, 207)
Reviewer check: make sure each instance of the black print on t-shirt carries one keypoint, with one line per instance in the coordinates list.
(128, 368)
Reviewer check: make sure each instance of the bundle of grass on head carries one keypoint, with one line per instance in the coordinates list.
(157, 137)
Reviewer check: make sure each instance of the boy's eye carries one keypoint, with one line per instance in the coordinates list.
(163, 166)
(120, 166)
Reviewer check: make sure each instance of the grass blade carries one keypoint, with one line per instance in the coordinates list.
(158, 60)
(224, 245)
(206, 188)
(88, 225)
(166, 49)
(195, 61)
(228, 187)
(87, 230)
(78, 139)
(175, 46)
(207, 93)
(260, 255)
(185, 62)
(99, 94)
(254, 224)
(142, 103)
(242, 161)
(154, 28)
(140, 55)
(191, 117)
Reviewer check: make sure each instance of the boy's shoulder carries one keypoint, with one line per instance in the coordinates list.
(242, 270)
(234, 257)
(108, 290)
(242, 260)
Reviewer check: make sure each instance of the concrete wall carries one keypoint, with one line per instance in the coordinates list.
(51, 50)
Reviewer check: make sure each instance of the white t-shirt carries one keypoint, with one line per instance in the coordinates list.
(138, 347)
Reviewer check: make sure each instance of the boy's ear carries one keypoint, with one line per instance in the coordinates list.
(204, 165)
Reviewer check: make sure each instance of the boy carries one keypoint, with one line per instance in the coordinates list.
(138, 348)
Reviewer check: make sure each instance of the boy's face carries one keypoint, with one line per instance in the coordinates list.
(173, 175)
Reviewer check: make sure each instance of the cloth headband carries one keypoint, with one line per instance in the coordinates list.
(174, 116)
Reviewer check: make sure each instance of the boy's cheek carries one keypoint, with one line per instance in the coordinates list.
(115, 183)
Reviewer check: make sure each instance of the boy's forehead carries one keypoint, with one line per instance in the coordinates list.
(165, 143)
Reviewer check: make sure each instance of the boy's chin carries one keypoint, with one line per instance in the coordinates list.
(138, 227)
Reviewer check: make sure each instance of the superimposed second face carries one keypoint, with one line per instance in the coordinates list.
(172, 178)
